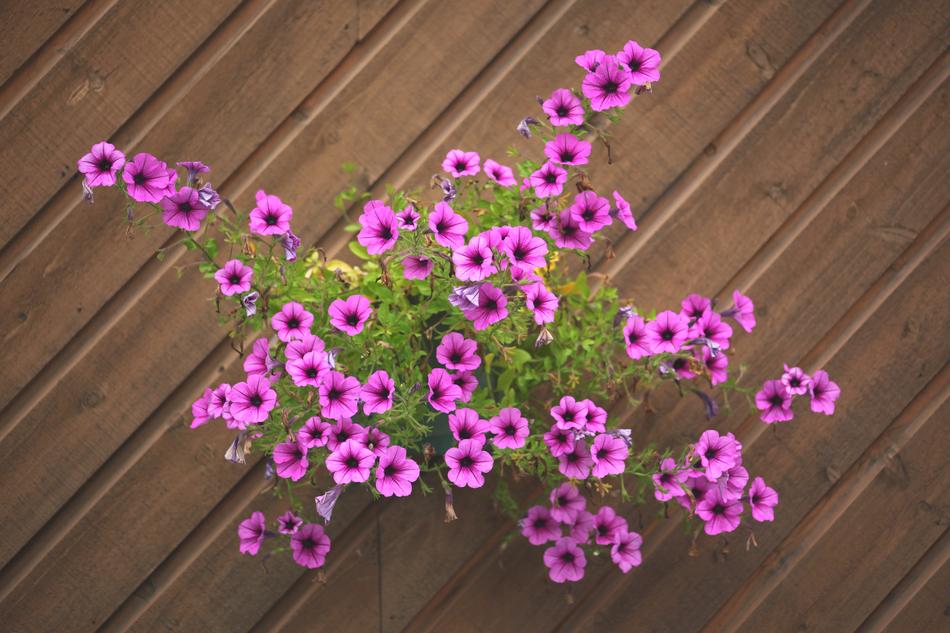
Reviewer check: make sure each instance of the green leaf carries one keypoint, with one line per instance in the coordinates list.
(359, 250)
(507, 377)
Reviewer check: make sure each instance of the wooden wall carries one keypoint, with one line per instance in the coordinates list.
(797, 149)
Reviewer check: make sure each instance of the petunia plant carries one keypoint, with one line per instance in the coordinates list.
(469, 339)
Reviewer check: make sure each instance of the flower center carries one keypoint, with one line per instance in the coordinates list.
(352, 320)
(256, 400)
(776, 400)
(352, 462)
(667, 335)
(466, 462)
(104, 164)
(610, 87)
(184, 207)
(567, 156)
(270, 220)
(139, 179)
(293, 324)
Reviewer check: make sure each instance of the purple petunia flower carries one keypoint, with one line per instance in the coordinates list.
(448, 227)
(762, 500)
(591, 212)
(350, 462)
(208, 196)
(743, 311)
(667, 332)
(218, 404)
(509, 427)
(146, 178)
(823, 392)
(608, 453)
(643, 63)
(565, 561)
(541, 301)
(443, 392)
(566, 502)
(576, 464)
(292, 321)
(291, 243)
(234, 278)
(774, 402)
(559, 441)
(377, 393)
(624, 212)
(458, 353)
(310, 546)
(710, 326)
(694, 306)
(309, 369)
(635, 334)
(669, 480)
(459, 163)
(608, 525)
(395, 473)
(590, 60)
(408, 218)
(417, 267)
(596, 417)
(380, 228)
(339, 395)
(376, 441)
(466, 425)
(524, 249)
(796, 381)
(314, 433)
(491, 307)
(298, 348)
(625, 551)
(327, 501)
(499, 174)
(290, 458)
(720, 514)
(252, 401)
(345, 429)
(608, 86)
(193, 168)
(732, 482)
(199, 410)
(468, 464)
(567, 232)
(183, 210)
(715, 365)
(570, 414)
(467, 382)
(249, 301)
(548, 181)
(581, 527)
(473, 261)
(350, 315)
(567, 149)
(542, 219)
(564, 108)
(288, 523)
(524, 126)
(271, 216)
(251, 532)
(717, 453)
(101, 165)
(539, 527)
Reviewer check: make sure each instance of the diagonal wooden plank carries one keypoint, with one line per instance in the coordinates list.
(919, 601)
(840, 577)
(25, 62)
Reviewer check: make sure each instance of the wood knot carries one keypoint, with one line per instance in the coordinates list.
(92, 399)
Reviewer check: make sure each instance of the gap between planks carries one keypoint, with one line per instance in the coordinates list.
(830, 508)
(905, 591)
(142, 439)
